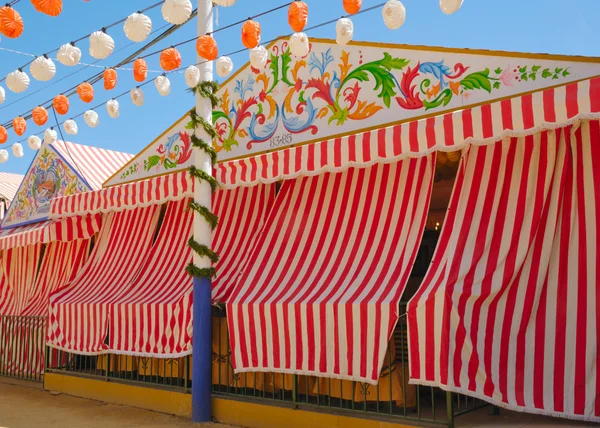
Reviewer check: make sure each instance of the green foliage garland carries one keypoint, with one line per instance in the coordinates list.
(206, 90)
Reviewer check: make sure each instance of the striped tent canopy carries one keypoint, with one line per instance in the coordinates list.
(321, 291)
(510, 308)
(9, 184)
(60, 169)
(119, 291)
(518, 116)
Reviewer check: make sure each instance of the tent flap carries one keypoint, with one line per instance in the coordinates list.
(321, 290)
(510, 308)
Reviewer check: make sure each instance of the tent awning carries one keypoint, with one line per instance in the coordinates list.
(154, 191)
(320, 292)
(519, 116)
(68, 229)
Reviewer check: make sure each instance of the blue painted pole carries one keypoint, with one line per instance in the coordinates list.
(202, 351)
(202, 338)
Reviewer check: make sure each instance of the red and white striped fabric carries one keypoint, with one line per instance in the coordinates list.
(20, 268)
(69, 229)
(60, 265)
(510, 308)
(9, 184)
(152, 316)
(321, 291)
(520, 116)
(95, 165)
(78, 319)
(7, 300)
(154, 191)
(242, 214)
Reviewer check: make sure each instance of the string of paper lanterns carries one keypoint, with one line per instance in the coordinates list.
(139, 26)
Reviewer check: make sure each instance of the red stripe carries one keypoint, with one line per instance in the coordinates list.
(572, 101)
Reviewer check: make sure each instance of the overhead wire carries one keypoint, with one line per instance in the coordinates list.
(311, 28)
(106, 27)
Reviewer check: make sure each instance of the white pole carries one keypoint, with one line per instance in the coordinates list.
(202, 345)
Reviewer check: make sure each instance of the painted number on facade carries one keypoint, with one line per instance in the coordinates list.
(281, 140)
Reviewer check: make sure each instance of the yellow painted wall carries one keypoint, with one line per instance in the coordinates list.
(233, 412)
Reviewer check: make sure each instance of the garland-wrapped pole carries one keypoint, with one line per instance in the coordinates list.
(201, 242)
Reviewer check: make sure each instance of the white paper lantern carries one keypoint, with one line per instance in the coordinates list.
(34, 142)
(17, 150)
(192, 76)
(71, 127)
(137, 96)
(394, 14)
(17, 81)
(3, 156)
(177, 12)
(224, 66)
(50, 136)
(224, 3)
(299, 45)
(101, 45)
(69, 55)
(344, 29)
(163, 84)
(91, 118)
(112, 108)
(2, 94)
(258, 57)
(138, 27)
(42, 69)
(450, 6)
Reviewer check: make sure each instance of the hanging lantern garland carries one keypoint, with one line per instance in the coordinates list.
(3, 135)
(110, 79)
(344, 31)
(48, 7)
(91, 118)
(71, 127)
(34, 142)
(224, 66)
(206, 47)
(17, 150)
(450, 6)
(101, 45)
(17, 81)
(137, 96)
(69, 55)
(2, 94)
(11, 23)
(85, 92)
(352, 7)
(170, 59)
(3, 156)
(39, 116)
(137, 27)
(394, 14)
(42, 68)
(140, 70)
(298, 15)
(19, 125)
(177, 12)
(61, 104)
(206, 90)
(251, 34)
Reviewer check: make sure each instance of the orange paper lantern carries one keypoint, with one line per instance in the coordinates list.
(48, 7)
(11, 23)
(170, 59)
(140, 69)
(61, 104)
(19, 125)
(206, 46)
(39, 115)
(85, 92)
(298, 16)
(110, 79)
(352, 6)
(251, 34)
(3, 135)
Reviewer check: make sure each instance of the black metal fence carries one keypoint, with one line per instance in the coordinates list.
(392, 398)
(22, 347)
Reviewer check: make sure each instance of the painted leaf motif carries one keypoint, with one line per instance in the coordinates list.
(364, 110)
(242, 133)
(478, 80)
(345, 66)
(546, 73)
(442, 99)
(287, 102)
(385, 82)
(151, 162)
(296, 69)
(286, 59)
(322, 113)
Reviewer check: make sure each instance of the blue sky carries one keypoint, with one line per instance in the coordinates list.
(540, 26)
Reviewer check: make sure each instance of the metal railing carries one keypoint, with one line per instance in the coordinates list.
(174, 373)
(393, 398)
(22, 347)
